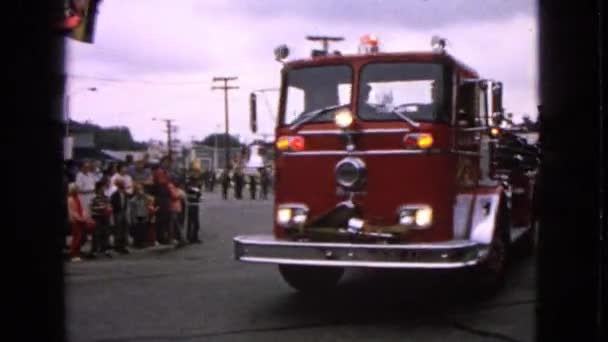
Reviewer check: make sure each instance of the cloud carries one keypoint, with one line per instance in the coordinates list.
(142, 36)
(413, 14)
(162, 41)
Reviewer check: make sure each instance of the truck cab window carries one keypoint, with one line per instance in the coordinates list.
(412, 89)
(467, 104)
(315, 89)
(482, 108)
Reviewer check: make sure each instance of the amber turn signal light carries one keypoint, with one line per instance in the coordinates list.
(418, 140)
(282, 143)
(294, 143)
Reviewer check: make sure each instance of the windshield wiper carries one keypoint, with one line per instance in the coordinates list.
(309, 116)
(405, 118)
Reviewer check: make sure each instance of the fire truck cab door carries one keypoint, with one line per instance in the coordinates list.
(484, 103)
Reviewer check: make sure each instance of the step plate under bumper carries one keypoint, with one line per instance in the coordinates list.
(449, 254)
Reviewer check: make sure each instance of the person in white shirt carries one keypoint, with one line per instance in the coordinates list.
(126, 180)
(96, 169)
(85, 181)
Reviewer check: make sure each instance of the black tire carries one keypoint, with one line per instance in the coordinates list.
(311, 279)
(491, 273)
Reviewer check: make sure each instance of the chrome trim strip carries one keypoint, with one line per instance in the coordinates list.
(378, 152)
(268, 249)
(354, 153)
(362, 131)
(269, 240)
(356, 263)
(321, 132)
(385, 130)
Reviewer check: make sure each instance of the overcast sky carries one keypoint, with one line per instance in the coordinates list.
(156, 58)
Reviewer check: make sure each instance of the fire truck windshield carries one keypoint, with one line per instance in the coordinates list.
(315, 93)
(390, 91)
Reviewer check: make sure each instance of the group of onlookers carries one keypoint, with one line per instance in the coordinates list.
(239, 181)
(149, 203)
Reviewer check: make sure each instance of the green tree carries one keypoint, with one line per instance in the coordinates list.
(210, 140)
(110, 138)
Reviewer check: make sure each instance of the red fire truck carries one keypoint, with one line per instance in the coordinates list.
(393, 160)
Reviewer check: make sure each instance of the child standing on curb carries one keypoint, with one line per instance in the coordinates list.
(152, 210)
(139, 216)
(101, 212)
(175, 224)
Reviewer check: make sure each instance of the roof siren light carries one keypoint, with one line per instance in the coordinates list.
(438, 44)
(368, 44)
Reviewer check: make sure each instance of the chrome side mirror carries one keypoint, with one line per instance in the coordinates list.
(497, 118)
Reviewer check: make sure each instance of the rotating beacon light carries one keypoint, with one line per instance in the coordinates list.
(438, 44)
(368, 44)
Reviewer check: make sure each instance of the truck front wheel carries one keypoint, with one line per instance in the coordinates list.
(490, 275)
(311, 278)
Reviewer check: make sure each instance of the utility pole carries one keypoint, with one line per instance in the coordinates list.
(170, 129)
(225, 88)
(217, 131)
(169, 141)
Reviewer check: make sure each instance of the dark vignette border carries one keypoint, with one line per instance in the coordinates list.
(33, 186)
(569, 264)
(571, 297)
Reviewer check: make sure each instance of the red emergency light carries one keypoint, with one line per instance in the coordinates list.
(368, 43)
(369, 39)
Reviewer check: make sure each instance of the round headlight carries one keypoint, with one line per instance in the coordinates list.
(283, 216)
(350, 172)
(424, 216)
(343, 118)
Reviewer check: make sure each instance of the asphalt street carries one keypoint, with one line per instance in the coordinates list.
(199, 293)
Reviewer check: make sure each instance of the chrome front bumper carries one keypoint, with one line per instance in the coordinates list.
(449, 254)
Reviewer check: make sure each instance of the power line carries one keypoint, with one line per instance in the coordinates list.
(122, 80)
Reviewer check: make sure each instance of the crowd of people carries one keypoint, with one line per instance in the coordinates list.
(238, 181)
(149, 203)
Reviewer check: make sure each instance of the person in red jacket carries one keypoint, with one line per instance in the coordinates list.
(161, 193)
(79, 221)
